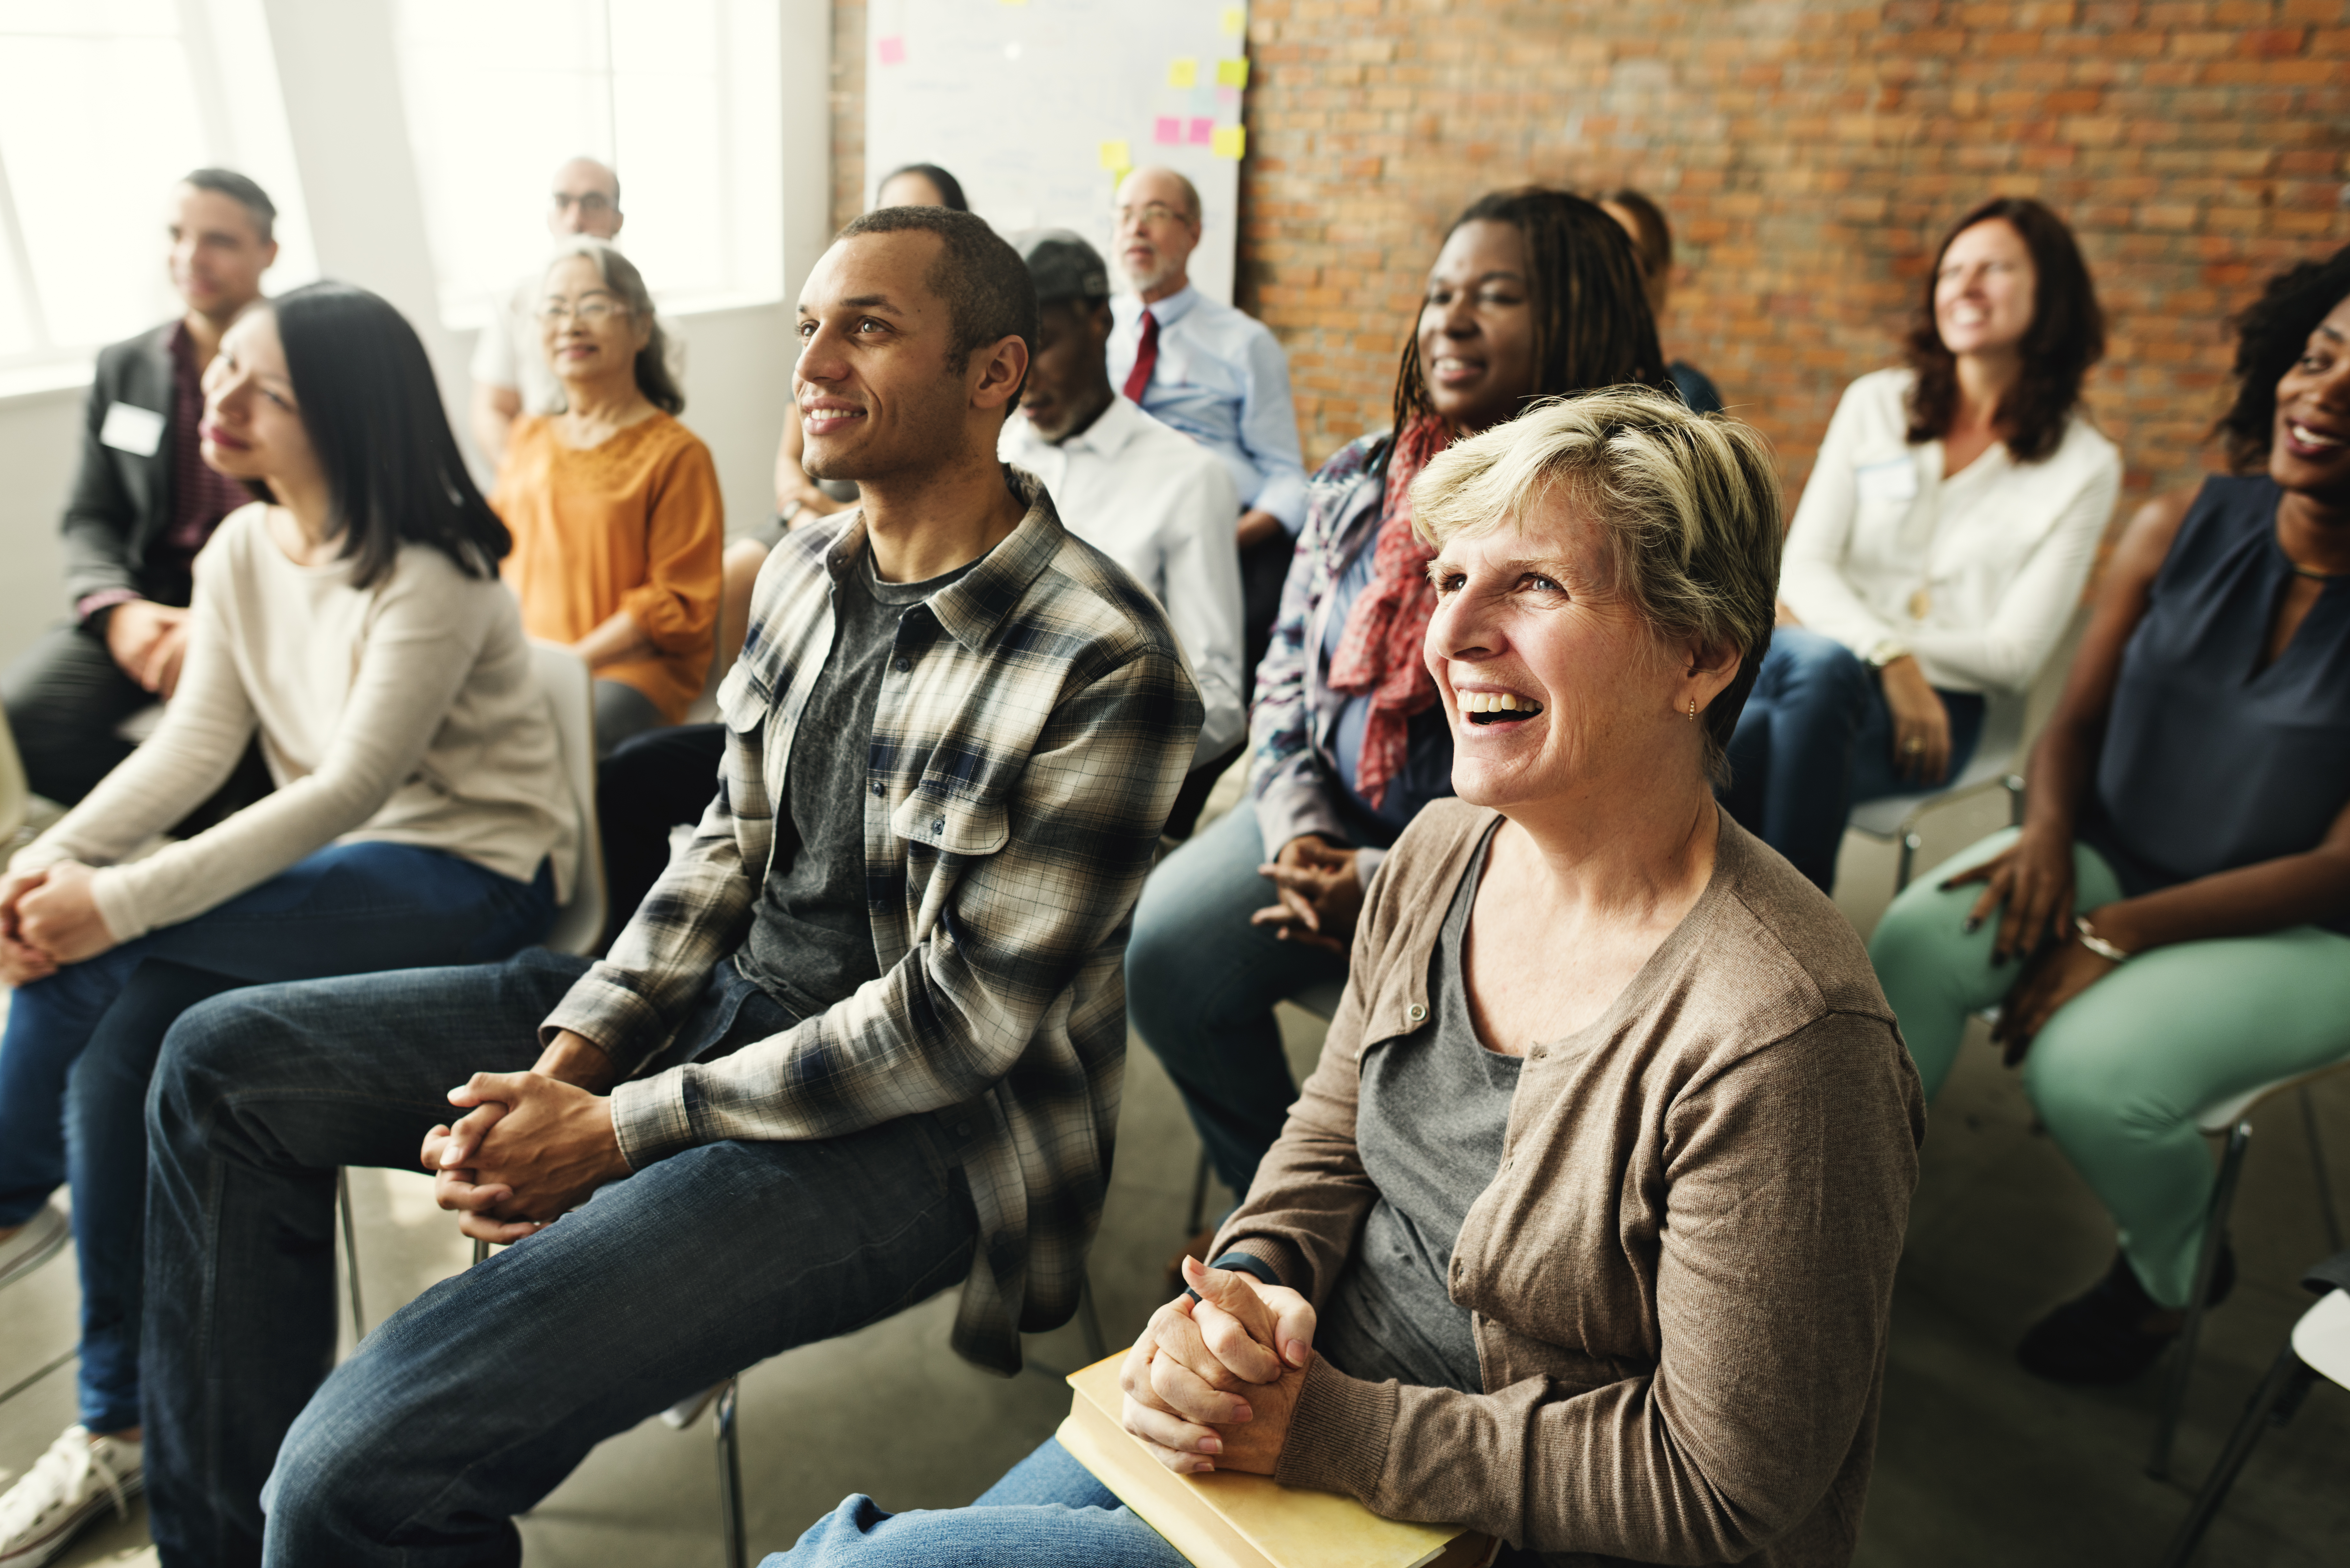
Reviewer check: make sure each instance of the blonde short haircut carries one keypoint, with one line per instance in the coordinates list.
(1688, 503)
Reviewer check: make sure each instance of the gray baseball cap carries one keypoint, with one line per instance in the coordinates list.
(1062, 266)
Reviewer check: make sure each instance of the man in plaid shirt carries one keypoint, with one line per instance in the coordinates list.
(863, 1040)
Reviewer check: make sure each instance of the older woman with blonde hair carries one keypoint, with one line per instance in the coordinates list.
(1583, 1233)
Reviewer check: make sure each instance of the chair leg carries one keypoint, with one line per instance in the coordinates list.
(2277, 1395)
(480, 1250)
(351, 1253)
(729, 1477)
(2206, 1262)
(1198, 1196)
(2325, 1209)
(1089, 1321)
(1910, 843)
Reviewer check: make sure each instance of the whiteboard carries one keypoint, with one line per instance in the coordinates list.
(1037, 107)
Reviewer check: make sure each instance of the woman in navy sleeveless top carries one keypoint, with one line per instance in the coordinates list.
(2177, 900)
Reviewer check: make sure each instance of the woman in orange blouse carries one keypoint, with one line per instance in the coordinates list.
(613, 504)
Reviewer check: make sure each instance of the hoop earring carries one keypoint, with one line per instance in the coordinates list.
(1692, 710)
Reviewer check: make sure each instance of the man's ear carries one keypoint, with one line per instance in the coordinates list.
(1001, 368)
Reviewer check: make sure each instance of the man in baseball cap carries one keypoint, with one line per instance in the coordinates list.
(1154, 500)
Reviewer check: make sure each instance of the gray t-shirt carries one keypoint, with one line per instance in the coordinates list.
(1429, 1125)
(811, 941)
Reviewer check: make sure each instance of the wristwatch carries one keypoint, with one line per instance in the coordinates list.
(1885, 650)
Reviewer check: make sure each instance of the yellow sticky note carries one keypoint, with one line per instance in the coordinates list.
(1182, 71)
(1233, 73)
(1234, 20)
(1230, 142)
(1116, 157)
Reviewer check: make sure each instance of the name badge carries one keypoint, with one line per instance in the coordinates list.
(132, 429)
(1895, 479)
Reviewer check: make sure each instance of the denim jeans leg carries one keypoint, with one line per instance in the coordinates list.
(474, 1402)
(49, 1023)
(1048, 1511)
(1201, 983)
(350, 907)
(1791, 755)
(258, 1098)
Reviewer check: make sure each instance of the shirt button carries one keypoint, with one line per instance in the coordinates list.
(877, 790)
(938, 825)
(1415, 1014)
(903, 664)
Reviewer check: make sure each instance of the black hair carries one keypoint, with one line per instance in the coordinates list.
(374, 416)
(621, 277)
(245, 191)
(2271, 334)
(1589, 292)
(949, 189)
(988, 293)
(2067, 336)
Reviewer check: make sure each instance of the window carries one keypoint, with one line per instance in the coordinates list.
(108, 103)
(682, 98)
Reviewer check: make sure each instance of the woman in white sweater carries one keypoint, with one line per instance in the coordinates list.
(1948, 527)
(358, 624)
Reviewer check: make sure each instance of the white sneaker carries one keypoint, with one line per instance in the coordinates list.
(35, 1243)
(76, 1481)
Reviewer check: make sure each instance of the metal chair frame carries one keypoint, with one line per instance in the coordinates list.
(2232, 1120)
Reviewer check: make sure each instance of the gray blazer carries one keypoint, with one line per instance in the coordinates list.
(121, 500)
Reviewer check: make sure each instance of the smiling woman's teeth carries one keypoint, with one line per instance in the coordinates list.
(2308, 437)
(1497, 702)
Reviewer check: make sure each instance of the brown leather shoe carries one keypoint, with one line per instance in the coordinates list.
(1195, 1248)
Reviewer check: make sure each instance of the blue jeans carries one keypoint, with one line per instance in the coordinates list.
(80, 1045)
(1201, 983)
(1814, 740)
(470, 1404)
(1048, 1511)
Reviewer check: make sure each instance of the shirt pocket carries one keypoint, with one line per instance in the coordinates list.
(1886, 488)
(952, 824)
(743, 709)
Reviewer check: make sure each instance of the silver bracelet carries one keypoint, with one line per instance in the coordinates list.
(2095, 943)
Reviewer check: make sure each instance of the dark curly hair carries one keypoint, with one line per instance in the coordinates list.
(1589, 291)
(2067, 336)
(2271, 334)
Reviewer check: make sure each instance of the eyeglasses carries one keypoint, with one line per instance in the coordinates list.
(592, 202)
(588, 312)
(1149, 212)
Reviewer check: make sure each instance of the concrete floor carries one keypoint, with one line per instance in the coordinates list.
(1977, 1463)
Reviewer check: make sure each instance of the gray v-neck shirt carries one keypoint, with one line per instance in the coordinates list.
(1435, 1106)
(811, 941)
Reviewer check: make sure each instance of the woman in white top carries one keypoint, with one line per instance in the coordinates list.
(358, 624)
(1942, 545)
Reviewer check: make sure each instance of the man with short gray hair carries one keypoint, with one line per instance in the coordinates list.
(1215, 373)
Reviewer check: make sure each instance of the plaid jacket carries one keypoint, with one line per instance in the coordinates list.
(1031, 735)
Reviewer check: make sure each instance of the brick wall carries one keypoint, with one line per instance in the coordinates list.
(1809, 154)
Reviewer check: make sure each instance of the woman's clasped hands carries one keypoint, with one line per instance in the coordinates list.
(48, 917)
(2029, 887)
(1212, 1383)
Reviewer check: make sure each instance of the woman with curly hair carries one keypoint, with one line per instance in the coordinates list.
(1534, 294)
(2177, 904)
(1950, 521)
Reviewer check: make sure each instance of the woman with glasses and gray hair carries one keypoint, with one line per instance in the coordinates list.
(1583, 1233)
(614, 506)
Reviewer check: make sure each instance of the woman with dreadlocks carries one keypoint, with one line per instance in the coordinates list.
(1534, 294)
(2177, 900)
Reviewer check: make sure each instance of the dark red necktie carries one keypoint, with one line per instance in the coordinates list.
(1146, 359)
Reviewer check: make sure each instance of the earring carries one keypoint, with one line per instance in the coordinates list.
(1692, 710)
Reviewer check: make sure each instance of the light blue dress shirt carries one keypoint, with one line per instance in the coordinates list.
(1222, 380)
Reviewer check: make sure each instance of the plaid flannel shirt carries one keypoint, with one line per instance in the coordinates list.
(1032, 731)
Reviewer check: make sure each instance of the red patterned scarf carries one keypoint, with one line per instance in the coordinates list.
(1379, 654)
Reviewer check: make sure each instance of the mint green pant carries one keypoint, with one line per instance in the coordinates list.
(2119, 1072)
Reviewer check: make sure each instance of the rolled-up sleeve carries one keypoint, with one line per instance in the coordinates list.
(677, 603)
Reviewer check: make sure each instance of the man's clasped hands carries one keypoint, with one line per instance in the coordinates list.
(1213, 1383)
(531, 1145)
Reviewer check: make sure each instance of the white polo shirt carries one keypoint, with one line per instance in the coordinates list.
(1164, 507)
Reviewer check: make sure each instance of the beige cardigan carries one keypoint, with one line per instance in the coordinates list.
(1682, 1275)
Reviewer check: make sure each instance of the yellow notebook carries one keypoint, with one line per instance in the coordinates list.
(1233, 1520)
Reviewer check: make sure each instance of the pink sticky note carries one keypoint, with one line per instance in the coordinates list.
(893, 51)
(1204, 130)
(1168, 129)
(1228, 95)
